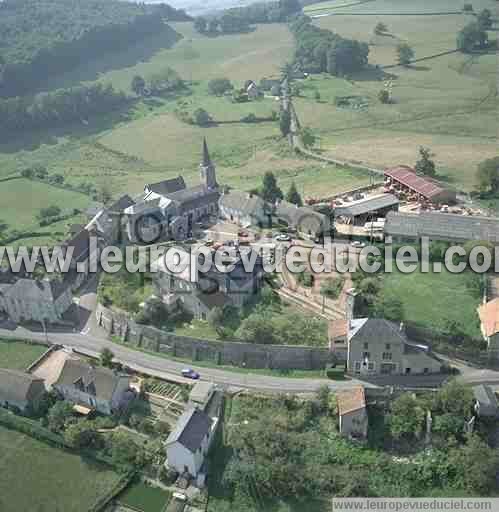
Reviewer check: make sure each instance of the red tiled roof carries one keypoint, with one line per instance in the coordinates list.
(489, 316)
(350, 400)
(408, 177)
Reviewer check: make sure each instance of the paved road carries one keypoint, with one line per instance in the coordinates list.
(167, 368)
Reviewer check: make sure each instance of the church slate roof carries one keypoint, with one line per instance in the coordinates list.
(167, 187)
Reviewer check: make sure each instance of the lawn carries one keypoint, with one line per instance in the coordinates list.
(37, 477)
(433, 300)
(18, 355)
(144, 497)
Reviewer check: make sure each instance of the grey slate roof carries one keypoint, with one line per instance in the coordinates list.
(81, 245)
(121, 204)
(444, 226)
(487, 400)
(104, 380)
(304, 219)
(167, 187)
(243, 202)
(192, 427)
(16, 386)
(364, 206)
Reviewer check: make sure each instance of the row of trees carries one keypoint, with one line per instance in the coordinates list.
(48, 110)
(240, 19)
(39, 39)
(320, 50)
(165, 80)
(474, 35)
(271, 192)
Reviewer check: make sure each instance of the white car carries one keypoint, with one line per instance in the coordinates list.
(358, 245)
(283, 238)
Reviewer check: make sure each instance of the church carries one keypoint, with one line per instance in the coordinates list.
(169, 209)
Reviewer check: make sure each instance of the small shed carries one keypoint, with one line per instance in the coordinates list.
(486, 403)
(352, 412)
(201, 394)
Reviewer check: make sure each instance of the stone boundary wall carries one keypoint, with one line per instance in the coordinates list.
(233, 353)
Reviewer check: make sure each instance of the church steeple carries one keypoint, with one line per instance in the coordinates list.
(207, 169)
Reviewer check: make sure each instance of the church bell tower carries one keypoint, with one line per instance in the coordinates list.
(207, 169)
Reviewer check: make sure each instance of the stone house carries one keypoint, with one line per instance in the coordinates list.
(169, 209)
(252, 90)
(379, 347)
(199, 292)
(489, 324)
(486, 403)
(352, 412)
(31, 300)
(244, 209)
(188, 444)
(21, 390)
(303, 220)
(98, 388)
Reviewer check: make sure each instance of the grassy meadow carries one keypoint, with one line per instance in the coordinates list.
(44, 479)
(447, 103)
(18, 355)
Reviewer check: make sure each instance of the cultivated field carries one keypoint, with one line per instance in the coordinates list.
(37, 477)
(18, 355)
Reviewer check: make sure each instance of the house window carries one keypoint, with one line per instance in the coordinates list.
(407, 371)
(357, 366)
(366, 355)
(426, 370)
(366, 345)
(388, 346)
(370, 367)
(387, 356)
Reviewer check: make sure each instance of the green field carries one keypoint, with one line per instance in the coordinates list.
(145, 498)
(420, 294)
(18, 355)
(447, 103)
(39, 478)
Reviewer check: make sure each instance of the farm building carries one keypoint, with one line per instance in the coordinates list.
(358, 212)
(442, 226)
(489, 325)
(403, 179)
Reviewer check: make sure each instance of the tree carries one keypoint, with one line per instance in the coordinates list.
(50, 211)
(202, 118)
(454, 398)
(58, 415)
(257, 329)
(270, 190)
(488, 175)
(307, 137)
(200, 24)
(213, 25)
(285, 123)
(106, 357)
(104, 194)
(124, 452)
(3, 228)
(317, 96)
(407, 417)
(293, 196)
(468, 7)
(380, 28)
(219, 86)
(425, 165)
(384, 96)
(389, 307)
(138, 85)
(40, 172)
(471, 37)
(288, 7)
(332, 287)
(485, 19)
(405, 54)
(81, 435)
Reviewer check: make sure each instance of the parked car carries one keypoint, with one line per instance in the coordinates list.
(358, 245)
(189, 373)
(283, 238)
(209, 242)
(242, 234)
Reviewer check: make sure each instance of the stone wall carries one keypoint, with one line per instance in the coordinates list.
(232, 353)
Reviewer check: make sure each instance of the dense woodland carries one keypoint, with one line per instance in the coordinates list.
(48, 110)
(320, 50)
(43, 37)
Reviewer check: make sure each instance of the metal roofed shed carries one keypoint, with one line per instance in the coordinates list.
(442, 226)
(365, 208)
(406, 179)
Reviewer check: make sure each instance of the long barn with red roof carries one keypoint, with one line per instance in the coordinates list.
(404, 179)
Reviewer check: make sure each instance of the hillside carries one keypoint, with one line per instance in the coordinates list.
(39, 38)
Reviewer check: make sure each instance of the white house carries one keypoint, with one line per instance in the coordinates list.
(188, 445)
